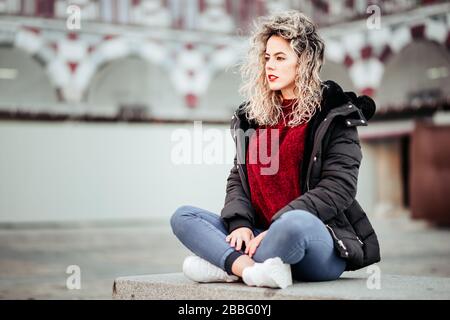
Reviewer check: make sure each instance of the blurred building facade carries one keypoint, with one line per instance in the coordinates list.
(174, 60)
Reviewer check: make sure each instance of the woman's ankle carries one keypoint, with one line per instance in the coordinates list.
(240, 264)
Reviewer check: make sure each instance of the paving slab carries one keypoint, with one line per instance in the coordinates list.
(175, 286)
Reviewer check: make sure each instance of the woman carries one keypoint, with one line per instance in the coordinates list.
(294, 216)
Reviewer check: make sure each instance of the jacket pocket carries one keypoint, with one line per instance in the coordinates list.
(339, 243)
(348, 245)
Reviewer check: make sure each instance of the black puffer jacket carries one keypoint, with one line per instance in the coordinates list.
(329, 173)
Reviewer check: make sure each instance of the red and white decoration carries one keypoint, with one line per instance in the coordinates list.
(365, 53)
(72, 58)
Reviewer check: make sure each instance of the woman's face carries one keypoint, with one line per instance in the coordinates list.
(281, 62)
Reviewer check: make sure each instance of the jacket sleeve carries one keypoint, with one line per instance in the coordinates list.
(237, 211)
(337, 186)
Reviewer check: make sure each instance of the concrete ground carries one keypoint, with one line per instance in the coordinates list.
(349, 286)
(34, 259)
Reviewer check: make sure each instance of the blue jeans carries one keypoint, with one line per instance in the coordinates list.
(297, 237)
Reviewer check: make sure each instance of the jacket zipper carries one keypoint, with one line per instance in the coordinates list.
(339, 241)
(328, 118)
(246, 189)
(313, 153)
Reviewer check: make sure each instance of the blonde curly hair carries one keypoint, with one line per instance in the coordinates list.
(264, 104)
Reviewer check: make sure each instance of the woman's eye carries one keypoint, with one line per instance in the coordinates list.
(278, 58)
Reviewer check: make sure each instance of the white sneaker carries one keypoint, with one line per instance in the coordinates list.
(200, 270)
(271, 273)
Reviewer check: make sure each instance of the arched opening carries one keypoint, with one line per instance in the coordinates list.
(418, 73)
(133, 85)
(222, 97)
(24, 84)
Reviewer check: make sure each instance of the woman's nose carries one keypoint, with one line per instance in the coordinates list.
(269, 66)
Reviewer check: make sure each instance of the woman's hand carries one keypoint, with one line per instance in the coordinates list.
(251, 247)
(238, 236)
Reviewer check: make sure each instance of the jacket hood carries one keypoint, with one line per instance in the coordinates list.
(333, 97)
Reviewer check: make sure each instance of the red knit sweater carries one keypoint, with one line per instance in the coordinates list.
(271, 192)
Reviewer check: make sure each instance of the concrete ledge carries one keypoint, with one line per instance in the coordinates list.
(175, 286)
